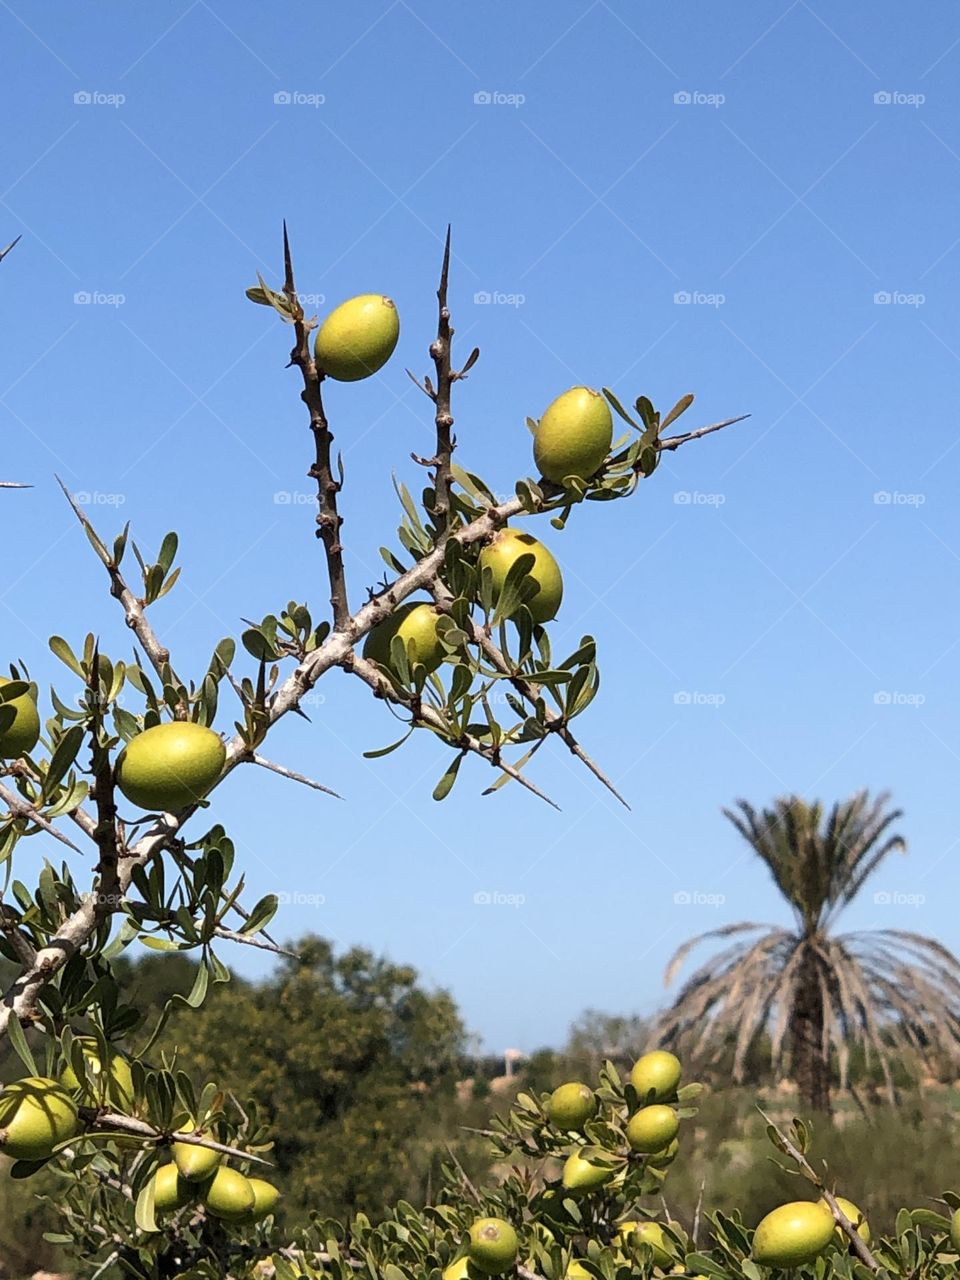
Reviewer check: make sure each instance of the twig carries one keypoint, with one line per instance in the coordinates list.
(133, 609)
(293, 776)
(14, 484)
(11, 245)
(527, 689)
(674, 442)
(440, 350)
(843, 1222)
(370, 674)
(329, 519)
(251, 940)
(115, 1122)
(10, 927)
(22, 808)
(85, 821)
(463, 1175)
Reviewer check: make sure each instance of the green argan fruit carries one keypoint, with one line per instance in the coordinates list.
(170, 766)
(501, 554)
(571, 1105)
(357, 338)
(850, 1210)
(195, 1163)
(170, 1191)
(581, 1174)
(793, 1234)
(493, 1246)
(265, 1197)
(955, 1229)
(22, 736)
(652, 1128)
(416, 624)
(656, 1075)
(458, 1270)
(118, 1091)
(36, 1114)
(574, 435)
(647, 1232)
(228, 1195)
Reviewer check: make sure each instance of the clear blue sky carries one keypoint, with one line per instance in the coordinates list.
(781, 196)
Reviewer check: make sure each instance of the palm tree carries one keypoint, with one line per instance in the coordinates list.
(892, 993)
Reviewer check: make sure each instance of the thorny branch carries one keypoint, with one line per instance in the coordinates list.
(329, 519)
(337, 650)
(791, 1149)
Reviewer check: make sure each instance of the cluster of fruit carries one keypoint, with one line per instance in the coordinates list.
(197, 1175)
(571, 441)
(39, 1114)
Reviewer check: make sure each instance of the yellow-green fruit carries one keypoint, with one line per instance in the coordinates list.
(955, 1229)
(650, 1233)
(265, 1197)
(416, 625)
(851, 1211)
(656, 1075)
(459, 1270)
(36, 1114)
(577, 1271)
(652, 1128)
(574, 435)
(571, 1105)
(118, 1090)
(493, 1245)
(170, 1191)
(660, 1159)
(502, 553)
(793, 1234)
(580, 1174)
(228, 1195)
(194, 1162)
(357, 338)
(170, 766)
(21, 736)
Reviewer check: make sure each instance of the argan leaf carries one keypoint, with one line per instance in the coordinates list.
(445, 785)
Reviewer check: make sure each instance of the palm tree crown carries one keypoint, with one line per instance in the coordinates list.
(891, 992)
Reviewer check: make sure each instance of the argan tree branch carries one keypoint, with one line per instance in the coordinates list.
(791, 1149)
(526, 688)
(133, 608)
(302, 778)
(441, 351)
(424, 714)
(329, 519)
(21, 808)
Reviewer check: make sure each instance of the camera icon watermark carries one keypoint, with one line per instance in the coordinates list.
(895, 98)
(95, 98)
(97, 298)
(897, 898)
(698, 898)
(894, 498)
(497, 298)
(694, 498)
(898, 298)
(297, 98)
(88, 498)
(494, 898)
(697, 98)
(695, 698)
(698, 298)
(292, 498)
(496, 98)
(894, 698)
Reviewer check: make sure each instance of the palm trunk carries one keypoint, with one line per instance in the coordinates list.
(811, 1064)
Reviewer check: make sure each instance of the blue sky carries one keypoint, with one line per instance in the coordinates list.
(754, 202)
